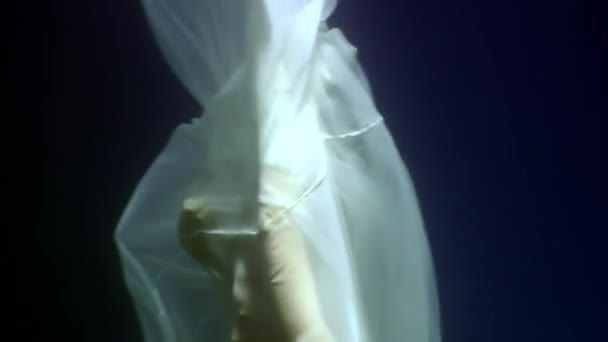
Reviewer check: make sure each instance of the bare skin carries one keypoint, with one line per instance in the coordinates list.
(268, 275)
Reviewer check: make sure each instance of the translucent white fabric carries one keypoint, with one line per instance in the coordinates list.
(289, 122)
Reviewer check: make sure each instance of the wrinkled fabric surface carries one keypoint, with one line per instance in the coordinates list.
(289, 122)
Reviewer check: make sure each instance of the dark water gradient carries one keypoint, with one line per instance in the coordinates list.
(497, 107)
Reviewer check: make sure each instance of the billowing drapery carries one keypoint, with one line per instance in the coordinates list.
(289, 122)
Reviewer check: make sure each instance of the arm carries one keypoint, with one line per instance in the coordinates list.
(273, 270)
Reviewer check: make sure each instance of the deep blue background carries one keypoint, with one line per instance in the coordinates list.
(497, 107)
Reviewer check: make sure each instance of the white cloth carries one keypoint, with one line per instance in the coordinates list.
(289, 123)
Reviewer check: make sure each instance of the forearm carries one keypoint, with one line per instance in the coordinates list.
(275, 265)
(292, 280)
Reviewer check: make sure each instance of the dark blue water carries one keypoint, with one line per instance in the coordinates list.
(498, 109)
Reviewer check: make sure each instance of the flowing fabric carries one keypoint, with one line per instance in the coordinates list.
(289, 122)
